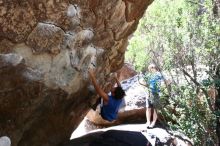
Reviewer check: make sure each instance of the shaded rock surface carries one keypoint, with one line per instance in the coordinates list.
(46, 48)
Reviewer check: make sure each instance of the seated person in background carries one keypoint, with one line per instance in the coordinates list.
(111, 103)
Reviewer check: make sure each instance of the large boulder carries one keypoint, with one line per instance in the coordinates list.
(132, 135)
(46, 48)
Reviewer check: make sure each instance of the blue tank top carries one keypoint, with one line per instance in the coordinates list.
(154, 81)
(110, 111)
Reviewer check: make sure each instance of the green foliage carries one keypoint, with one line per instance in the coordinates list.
(177, 34)
(135, 54)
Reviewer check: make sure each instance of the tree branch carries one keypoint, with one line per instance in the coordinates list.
(199, 86)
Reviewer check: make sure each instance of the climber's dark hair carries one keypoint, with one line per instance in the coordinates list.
(119, 93)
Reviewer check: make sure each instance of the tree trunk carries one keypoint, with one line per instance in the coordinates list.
(216, 8)
(217, 103)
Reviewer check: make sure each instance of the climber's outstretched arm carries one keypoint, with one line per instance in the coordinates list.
(117, 81)
(98, 89)
(141, 83)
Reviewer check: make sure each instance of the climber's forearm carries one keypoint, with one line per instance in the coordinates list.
(98, 88)
(117, 81)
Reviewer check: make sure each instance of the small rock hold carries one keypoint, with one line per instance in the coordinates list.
(71, 12)
(10, 59)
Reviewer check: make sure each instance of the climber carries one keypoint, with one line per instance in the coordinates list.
(111, 103)
(153, 80)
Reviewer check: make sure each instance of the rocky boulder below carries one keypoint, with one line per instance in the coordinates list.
(133, 135)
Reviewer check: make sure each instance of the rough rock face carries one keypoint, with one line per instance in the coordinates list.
(46, 47)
